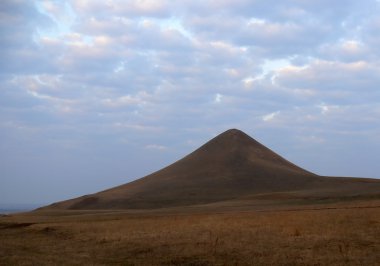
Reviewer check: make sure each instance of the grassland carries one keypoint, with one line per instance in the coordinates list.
(343, 234)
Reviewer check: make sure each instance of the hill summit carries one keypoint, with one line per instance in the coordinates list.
(230, 166)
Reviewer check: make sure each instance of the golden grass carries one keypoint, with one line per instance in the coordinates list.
(308, 237)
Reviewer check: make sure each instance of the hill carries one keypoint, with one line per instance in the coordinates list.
(230, 167)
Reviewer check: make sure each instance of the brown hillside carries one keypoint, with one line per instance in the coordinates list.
(231, 166)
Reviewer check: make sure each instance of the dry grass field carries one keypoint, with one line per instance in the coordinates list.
(343, 234)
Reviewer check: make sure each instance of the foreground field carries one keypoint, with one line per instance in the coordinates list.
(329, 235)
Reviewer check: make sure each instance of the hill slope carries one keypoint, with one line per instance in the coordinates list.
(232, 165)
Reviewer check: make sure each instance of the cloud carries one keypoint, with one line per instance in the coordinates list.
(270, 117)
(326, 109)
(19, 52)
(121, 8)
(218, 98)
(335, 81)
(345, 51)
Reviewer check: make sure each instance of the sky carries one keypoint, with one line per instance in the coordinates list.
(97, 93)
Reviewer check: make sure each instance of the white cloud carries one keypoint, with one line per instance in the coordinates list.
(136, 8)
(218, 98)
(248, 82)
(270, 117)
(326, 109)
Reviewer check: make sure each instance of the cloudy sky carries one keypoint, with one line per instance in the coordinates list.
(98, 93)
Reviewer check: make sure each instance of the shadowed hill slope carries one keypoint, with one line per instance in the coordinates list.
(230, 166)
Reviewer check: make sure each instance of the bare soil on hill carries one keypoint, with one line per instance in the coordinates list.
(229, 167)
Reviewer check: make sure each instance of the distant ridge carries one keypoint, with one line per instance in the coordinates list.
(228, 167)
